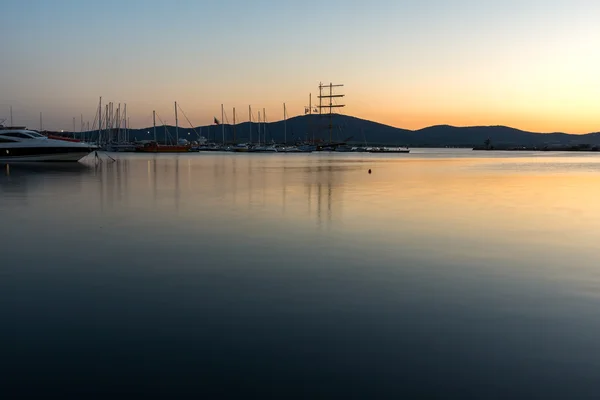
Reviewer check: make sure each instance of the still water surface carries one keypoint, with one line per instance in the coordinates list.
(442, 273)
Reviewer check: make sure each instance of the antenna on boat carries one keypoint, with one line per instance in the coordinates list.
(11, 119)
(41, 124)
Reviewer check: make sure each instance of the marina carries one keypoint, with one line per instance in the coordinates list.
(111, 132)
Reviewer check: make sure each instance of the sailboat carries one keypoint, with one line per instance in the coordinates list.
(264, 148)
(154, 147)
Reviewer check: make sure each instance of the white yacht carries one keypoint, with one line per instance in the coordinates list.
(20, 144)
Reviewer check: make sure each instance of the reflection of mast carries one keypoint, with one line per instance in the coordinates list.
(177, 184)
(319, 203)
(234, 172)
(323, 181)
(154, 178)
(329, 97)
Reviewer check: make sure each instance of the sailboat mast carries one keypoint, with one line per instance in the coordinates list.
(126, 138)
(110, 116)
(41, 125)
(118, 119)
(176, 126)
(250, 123)
(154, 124)
(264, 126)
(223, 123)
(233, 125)
(284, 125)
(259, 128)
(99, 119)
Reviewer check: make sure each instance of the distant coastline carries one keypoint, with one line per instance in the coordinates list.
(587, 148)
(360, 131)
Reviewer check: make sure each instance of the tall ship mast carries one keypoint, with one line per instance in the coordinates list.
(326, 104)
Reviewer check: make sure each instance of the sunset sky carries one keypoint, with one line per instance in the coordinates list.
(529, 64)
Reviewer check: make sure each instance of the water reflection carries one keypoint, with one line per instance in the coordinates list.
(428, 275)
(23, 178)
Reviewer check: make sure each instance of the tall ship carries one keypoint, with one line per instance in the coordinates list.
(20, 144)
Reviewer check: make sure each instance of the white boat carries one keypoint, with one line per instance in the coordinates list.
(20, 144)
(264, 149)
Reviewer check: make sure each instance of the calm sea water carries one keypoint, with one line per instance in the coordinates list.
(443, 273)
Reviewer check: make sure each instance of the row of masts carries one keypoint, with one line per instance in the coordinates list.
(221, 122)
(114, 121)
(83, 127)
(259, 121)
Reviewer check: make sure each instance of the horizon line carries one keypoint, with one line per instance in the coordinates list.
(335, 114)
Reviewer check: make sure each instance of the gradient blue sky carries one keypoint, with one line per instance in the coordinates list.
(529, 64)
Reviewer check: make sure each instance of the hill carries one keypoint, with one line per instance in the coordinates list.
(359, 131)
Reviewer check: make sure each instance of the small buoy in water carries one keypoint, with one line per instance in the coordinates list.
(369, 170)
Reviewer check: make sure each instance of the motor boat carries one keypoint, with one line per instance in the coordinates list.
(21, 144)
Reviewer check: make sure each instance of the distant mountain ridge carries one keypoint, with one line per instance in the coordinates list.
(361, 131)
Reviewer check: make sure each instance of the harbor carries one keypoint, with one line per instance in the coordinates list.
(111, 131)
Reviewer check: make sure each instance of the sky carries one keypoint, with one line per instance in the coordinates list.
(529, 64)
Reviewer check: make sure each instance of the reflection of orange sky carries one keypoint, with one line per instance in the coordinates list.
(470, 198)
(476, 203)
(447, 208)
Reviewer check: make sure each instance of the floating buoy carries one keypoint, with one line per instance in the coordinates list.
(369, 170)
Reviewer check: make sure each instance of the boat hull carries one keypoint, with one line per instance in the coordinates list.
(152, 148)
(389, 151)
(57, 157)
